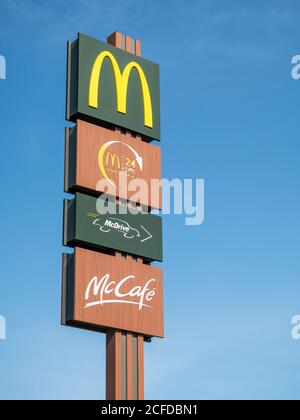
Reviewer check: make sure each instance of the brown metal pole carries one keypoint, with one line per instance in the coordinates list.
(124, 366)
(129, 367)
(124, 363)
(125, 42)
(113, 365)
(124, 350)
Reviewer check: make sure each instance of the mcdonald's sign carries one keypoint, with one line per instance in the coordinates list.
(108, 86)
(135, 234)
(94, 153)
(101, 292)
(114, 160)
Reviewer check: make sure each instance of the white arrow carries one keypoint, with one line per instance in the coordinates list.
(148, 233)
(139, 160)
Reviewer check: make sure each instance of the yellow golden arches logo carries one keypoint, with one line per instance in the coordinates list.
(121, 80)
(114, 159)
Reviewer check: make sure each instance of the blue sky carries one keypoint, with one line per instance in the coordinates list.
(230, 114)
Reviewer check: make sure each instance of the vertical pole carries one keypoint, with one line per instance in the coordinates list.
(124, 350)
(124, 366)
(126, 43)
(140, 367)
(129, 367)
(113, 365)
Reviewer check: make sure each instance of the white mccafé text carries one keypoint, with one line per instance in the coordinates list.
(106, 291)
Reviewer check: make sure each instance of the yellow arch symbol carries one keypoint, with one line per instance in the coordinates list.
(121, 80)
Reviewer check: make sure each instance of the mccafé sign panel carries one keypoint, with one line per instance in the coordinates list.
(101, 292)
(95, 153)
(136, 234)
(108, 85)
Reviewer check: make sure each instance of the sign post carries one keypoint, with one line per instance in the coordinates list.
(131, 367)
(108, 283)
(124, 374)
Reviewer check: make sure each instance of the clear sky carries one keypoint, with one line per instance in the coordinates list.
(230, 115)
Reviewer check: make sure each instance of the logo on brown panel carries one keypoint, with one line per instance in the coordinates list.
(111, 162)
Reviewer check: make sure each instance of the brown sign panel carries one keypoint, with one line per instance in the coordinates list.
(102, 292)
(95, 153)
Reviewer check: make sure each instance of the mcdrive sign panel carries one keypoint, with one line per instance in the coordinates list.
(102, 292)
(137, 234)
(95, 154)
(109, 85)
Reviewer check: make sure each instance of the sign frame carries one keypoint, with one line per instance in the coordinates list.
(115, 315)
(133, 100)
(139, 234)
(84, 167)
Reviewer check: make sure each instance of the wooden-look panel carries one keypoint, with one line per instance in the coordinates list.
(97, 153)
(114, 293)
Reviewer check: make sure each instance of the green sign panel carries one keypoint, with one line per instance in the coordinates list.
(109, 85)
(137, 234)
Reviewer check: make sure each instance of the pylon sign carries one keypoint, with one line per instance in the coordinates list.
(108, 283)
(106, 84)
